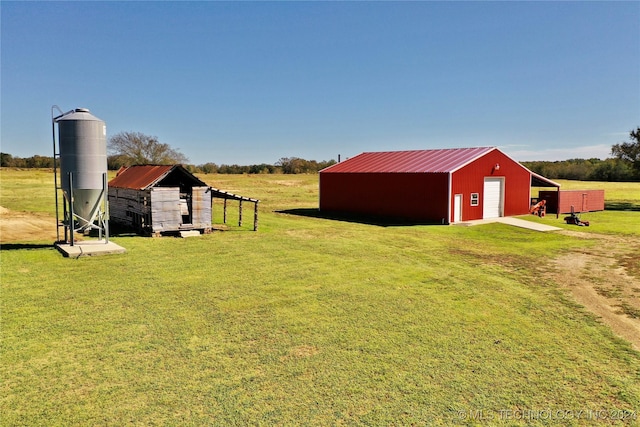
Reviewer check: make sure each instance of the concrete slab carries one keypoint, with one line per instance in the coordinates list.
(523, 223)
(89, 248)
(189, 233)
(516, 222)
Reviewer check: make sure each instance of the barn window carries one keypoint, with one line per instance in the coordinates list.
(475, 199)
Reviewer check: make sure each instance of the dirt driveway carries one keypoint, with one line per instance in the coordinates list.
(604, 278)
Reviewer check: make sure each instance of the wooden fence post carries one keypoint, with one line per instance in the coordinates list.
(255, 217)
(224, 215)
(240, 214)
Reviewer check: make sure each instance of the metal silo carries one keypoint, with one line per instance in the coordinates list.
(82, 140)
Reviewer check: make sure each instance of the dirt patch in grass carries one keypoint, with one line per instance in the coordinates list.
(285, 183)
(604, 279)
(25, 226)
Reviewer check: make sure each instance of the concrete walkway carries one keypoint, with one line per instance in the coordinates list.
(517, 222)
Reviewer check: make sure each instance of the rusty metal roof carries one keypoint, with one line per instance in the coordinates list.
(141, 177)
(414, 161)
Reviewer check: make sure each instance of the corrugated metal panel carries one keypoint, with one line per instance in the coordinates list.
(419, 197)
(140, 177)
(414, 161)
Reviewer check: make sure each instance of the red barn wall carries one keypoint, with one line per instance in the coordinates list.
(470, 179)
(581, 200)
(412, 196)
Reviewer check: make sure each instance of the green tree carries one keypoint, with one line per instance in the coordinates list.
(135, 148)
(613, 170)
(6, 160)
(629, 151)
(209, 168)
(39, 162)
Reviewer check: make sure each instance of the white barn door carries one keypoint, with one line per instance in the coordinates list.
(493, 197)
(457, 208)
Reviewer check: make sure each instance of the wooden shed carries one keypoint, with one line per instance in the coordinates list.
(443, 186)
(566, 201)
(155, 199)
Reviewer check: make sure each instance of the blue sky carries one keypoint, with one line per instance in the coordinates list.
(251, 82)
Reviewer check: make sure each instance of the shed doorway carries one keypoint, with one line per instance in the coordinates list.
(493, 197)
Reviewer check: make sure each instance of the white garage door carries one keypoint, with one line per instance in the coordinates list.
(492, 202)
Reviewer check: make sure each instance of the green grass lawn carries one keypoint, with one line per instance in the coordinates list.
(308, 321)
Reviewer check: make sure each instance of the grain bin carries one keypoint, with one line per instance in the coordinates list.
(83, 169)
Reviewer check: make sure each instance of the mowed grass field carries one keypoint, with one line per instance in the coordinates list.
(308, 321)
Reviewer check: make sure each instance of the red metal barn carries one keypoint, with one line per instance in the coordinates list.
(445, 186)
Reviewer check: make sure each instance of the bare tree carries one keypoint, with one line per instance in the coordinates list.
(135, 148)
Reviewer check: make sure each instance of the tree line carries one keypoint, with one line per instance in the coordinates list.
(286, 165)
(134, 148)
(613, 170)
(575, 169)
(8, 161)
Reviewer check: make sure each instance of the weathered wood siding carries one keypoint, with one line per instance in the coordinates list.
(160, 209)
(201, 208)
(166, 214)
(130, 207)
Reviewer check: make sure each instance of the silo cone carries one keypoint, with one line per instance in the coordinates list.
(83, 164)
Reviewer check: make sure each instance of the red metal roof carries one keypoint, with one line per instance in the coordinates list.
(415, 161)
(140, 177)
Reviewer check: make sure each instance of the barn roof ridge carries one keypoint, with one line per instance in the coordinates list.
(431, 149)
(444, 160)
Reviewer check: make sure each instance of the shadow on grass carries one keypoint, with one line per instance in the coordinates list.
(357, 218)
(22, 246)
(621, 206)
